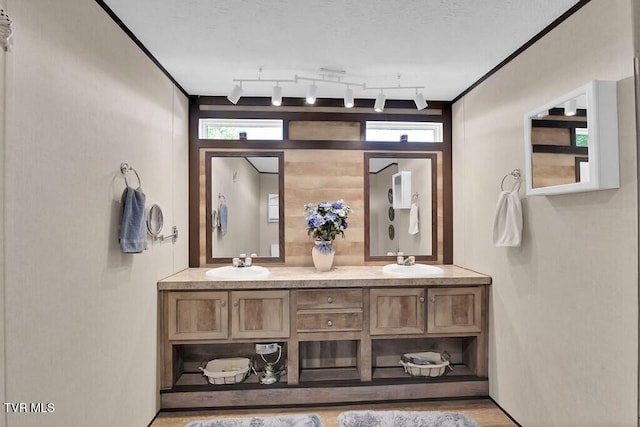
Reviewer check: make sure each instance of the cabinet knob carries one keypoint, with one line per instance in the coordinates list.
(432, 299)
(329, 323)
(330, 300)
(235, 304)
(421, 298)
(223, 303)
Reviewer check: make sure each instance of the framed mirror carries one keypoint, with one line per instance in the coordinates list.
(244, 213)
(411, 230)
(571, 143)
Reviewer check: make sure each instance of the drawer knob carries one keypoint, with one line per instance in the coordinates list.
(329, 323)
(330, 300)
(421, 299)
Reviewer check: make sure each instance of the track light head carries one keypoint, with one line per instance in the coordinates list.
(312, 90)
(235, 94)
(570, 108)
(421, 104)
(378, 107)
(276, 96)
(348, 98)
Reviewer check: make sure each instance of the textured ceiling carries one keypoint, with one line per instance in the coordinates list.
(444, 46)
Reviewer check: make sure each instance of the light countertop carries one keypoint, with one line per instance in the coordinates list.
(308, 277)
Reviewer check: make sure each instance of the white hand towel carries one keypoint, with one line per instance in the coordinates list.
(507, 223)
(223, 214)
(413, 220)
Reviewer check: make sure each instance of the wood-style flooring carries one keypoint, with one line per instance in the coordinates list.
(484, 411)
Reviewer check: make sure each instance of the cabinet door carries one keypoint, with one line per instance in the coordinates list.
(397, 311)
(260, 314)
(454, 310)
(198, 315)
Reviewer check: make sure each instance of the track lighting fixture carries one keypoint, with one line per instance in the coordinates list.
(348, 98)
(327, 77)
(312, 90)
(570, 108)
(378, 107)
(235, 94)
(276, 96)
(421, 104)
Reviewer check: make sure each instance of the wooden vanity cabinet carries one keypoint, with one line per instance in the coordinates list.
(340, 344)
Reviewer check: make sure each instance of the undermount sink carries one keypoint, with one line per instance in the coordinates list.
(416, 270)
(230, 272)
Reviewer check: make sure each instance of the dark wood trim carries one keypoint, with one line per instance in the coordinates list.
(341, 393)
(447, 187)
(207, 165)
(383, 169)
(524, 47)
(434, 205)
(562, 124)
(138, 43)
(560, 149)
(255, 144)
(194, 186)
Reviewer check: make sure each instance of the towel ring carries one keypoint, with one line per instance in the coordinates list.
(125, 168)
(515, 174)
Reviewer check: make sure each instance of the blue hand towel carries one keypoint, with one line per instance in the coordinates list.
(133, 236)
(223, 213)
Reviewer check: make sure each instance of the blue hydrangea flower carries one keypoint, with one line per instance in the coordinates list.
(326, 220)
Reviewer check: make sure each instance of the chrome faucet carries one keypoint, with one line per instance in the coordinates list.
(243, 260)
(410, 260)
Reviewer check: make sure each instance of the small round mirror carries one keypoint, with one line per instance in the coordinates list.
(155, 221)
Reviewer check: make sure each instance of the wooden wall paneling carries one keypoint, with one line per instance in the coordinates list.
(326, 175)
(324, 130)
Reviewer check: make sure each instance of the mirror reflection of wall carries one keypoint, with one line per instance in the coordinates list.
(559, 137)
(242, 191)
(380, 169)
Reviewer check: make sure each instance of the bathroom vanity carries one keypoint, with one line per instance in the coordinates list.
(342, 333)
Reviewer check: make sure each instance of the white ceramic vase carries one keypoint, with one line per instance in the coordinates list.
(322, 254)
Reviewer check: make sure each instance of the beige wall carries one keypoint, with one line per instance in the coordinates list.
(3, 417)
(80, 315)
(564, 306)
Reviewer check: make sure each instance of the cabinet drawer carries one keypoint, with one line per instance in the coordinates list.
(327, 320)
(329, 298)
(454, 310)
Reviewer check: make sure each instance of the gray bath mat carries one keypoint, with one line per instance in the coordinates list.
(302, 420)
(404, 419)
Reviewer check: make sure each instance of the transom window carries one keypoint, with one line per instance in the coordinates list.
(233, 128)
(393, 131)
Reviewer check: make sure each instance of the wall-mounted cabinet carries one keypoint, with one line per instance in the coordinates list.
(401, 185)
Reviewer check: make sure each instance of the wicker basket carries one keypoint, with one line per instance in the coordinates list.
(227, 371)
(436, 367)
